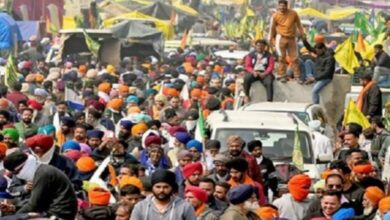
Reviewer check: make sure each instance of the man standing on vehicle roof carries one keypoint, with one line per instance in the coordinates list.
(284, 25)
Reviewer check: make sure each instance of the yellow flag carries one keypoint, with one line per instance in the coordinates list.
(259, 31)
(297, 156)
(366, 50)
(345, 56)
(353, 114)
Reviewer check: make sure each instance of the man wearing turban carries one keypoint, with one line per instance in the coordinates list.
(238, 169)
(197, 197)
(11, 137)
(295, 204)
(371, 198)
(52, 192)
(43, 148)
(99, 199)
(163, 187)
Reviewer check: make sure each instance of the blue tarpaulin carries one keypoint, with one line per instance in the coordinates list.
(9, 31)
(28, 29)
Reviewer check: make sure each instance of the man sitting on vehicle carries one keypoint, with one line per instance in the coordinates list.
(259, 66)
(381, 65)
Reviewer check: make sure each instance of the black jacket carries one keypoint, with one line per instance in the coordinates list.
(52, 193)
(268, 172)
(382, 60)
(68, 167)
(372, 102)
(325, 64)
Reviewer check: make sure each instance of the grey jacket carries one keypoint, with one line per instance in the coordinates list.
(178, 209)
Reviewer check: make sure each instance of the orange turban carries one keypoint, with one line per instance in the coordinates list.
(188, 67)
(384, 205)
(200, 79)
(3, 103)
(30, 77)
(173, 92)
(82, 69)
(39, 78)
(115, 104)
(318, 38)
(104, 87)
(3, 149)
(299, 186)
(86, 164)
(126, 180)
(165, 91)
(138, 128)
(123, 89)
(325, 174)
(99, 196)
(363, 168)
(267, 213)
(133, 110)
(218, 69)
(374, 194)
(196, 93)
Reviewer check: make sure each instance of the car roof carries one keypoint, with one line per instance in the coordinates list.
(254, 119)
(277, 106)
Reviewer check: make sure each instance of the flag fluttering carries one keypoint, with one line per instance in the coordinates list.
(345, 56)
(353, 114)
(366, 50)
(200, 128)
(93, 45)
(11, 73)
(297, 156)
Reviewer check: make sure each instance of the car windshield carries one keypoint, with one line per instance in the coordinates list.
(303, 116)
(278, 145)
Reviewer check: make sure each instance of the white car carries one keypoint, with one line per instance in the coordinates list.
(305, 112)
(275, 130)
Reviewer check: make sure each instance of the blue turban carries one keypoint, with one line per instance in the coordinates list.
(183, 137)
(71, 145)
(132, 98)
(240, 194)
(48, 129)
(344, 213)
(126, 124)
(150, 92)
(142, 118)
(95, 134)
(196, 144)
(68, 121)
(387, 216)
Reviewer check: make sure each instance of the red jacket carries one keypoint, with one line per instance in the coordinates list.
(250, 61)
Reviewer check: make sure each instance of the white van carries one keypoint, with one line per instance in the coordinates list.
(275, 130)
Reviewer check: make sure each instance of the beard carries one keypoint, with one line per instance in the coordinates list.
(27, 120)
(163, 197)
(235, 153)
(251, 206)
(123, 136)
(368, 210)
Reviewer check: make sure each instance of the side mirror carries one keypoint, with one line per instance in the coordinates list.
(324, 159)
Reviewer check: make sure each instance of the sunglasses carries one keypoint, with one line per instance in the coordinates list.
(337, 186)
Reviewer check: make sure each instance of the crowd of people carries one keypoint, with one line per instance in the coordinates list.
(131, 151)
